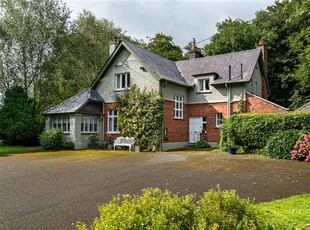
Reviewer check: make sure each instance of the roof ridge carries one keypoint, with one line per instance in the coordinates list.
(149, 51)
(218, 55)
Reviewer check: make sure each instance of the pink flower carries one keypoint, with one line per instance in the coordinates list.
(308, 158)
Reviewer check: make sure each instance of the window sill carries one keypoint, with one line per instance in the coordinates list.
(204, 92)
(179, 119)
(112, 133)
(121, 90)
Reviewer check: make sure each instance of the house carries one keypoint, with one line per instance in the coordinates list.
(199, 94)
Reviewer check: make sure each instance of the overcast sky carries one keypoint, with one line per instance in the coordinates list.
(182, 19)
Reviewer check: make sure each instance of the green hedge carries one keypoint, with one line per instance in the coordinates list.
(155, 209)
(252, 131)
(280, 145)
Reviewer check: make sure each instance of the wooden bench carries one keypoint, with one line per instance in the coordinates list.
(124, 141)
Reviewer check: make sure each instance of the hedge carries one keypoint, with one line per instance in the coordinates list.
(252, 131)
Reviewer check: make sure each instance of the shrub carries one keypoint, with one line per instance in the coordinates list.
(1, 143)
(140, 115)
(68, 145)
(201, 144)
(302, 148)
(52, 139)
(161, 210)
(225, 210)
(152, 210)
(252, 131)
(279, 145)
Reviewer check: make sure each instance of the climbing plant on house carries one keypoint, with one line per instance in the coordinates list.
(140, 115)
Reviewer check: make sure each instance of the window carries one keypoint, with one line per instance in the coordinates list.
(112, 121)
(178, 106)
(122, 81)
(204, 85)
(219, 119)
(89, 125)
(61, 123)
(204, 124)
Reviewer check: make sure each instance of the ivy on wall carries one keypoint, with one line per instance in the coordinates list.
(140, 115)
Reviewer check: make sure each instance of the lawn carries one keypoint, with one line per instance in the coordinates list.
(12, 149)
(290, 213)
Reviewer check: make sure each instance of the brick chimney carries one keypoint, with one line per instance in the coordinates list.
(262, 46)
(114, 44)
(195, 52)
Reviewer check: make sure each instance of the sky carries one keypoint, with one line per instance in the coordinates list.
(182, 19)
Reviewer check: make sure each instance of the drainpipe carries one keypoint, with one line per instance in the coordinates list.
(228, 100)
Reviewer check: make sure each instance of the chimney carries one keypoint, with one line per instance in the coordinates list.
(195, 52)
(114, 44)
(262, 46)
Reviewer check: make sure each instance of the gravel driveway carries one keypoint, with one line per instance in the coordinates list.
(55, 190)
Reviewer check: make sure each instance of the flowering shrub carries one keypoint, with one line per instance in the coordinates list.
(302, 148)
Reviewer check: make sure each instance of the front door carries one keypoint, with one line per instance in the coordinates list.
(195, 128)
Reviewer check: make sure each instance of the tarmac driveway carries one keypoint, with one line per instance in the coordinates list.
(55, 190)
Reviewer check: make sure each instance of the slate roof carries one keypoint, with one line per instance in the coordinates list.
(73, 104)
(219, 64)
(164, 68)
(305, 107)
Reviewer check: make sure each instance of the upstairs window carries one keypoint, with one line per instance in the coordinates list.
(89, 125)
(178, 106)
(219, 120)
(61, 123)
(122, 81)
(203, 85)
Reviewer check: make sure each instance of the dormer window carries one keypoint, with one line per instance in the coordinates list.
(203, 85)
(122, 81)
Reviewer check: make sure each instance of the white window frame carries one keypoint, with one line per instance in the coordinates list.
(89, 124)
(218, 120)
(178, 106)
(122, 81)
(61, 123)
(203, 82)
(112, 119)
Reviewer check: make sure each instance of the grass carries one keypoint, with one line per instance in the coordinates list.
(290, 213)
(12, 149)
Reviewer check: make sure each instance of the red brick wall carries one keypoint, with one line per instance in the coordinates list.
(256, 104)
(177, 128)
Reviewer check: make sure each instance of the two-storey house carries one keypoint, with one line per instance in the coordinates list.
(199, 94)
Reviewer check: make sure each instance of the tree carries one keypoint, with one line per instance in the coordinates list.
(163, 45)
(78, 58)
(20, 123)
(232, 35)
(29, 29)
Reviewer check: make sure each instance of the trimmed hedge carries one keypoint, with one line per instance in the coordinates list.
(52, 139)
(252, 131)
(280, 145)
(155, 209)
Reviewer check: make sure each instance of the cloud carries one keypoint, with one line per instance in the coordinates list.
(182, 19)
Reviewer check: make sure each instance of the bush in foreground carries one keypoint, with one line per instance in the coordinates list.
(155, 209)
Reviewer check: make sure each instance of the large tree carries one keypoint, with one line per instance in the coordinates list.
(78, 58)
(20, 123)
(232, 35)
(29, 30)
(163, 45)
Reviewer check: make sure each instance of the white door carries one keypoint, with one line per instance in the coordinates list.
(195, 128)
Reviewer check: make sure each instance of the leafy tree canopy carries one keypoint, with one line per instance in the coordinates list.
(163, 45)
